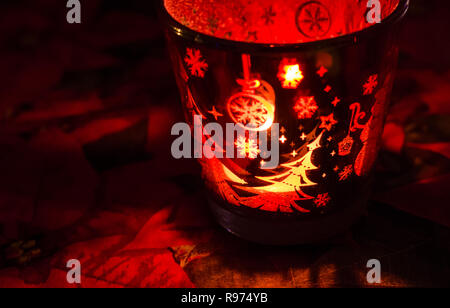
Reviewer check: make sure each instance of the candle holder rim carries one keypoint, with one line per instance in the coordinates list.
(350, 38)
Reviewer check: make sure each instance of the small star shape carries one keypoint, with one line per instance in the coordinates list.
(283, 130)
(336, 169)
(303, 137)
(330, 139)
(328, 122)
(215, 114)
(294, 153)
(333, 153)
(292, 144)
(322, 71)
(283, 139)
(327, 89)
(336, 101)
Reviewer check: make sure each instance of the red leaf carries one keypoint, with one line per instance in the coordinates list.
(163, 231)
(153, 269)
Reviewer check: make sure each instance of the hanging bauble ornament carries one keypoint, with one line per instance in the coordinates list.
(254, 106)
(345, 146)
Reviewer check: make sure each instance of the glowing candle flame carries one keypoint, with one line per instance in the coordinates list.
(290, 74)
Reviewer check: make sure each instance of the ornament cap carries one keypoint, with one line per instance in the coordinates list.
(249, 85)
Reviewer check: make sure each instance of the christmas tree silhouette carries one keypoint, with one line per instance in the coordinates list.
(295, 177)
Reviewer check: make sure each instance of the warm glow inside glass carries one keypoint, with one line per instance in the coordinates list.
(321, 71)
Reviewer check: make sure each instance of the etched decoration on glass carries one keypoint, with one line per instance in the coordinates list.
(253, 107)
(313, 19)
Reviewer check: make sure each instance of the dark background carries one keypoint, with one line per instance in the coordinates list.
(86, 172)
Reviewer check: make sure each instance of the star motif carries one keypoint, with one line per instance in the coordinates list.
(336, 169)
(322, 200)
(336, 101)
(322, 71)
(328, 122)
(324, 175)
(303, 137)
(283, 139)
(333, 153)
(292, 144)
(283, 130)
(330, 139)
(294, 153)
(215, 114)
(301, 127)
(327, 89)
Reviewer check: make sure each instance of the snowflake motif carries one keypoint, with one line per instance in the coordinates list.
(371, 84)
(249, 111)
(346, 173)
(313, 19)
(269, 15)
(306, 107)
(290, 74)
(247, 148)
(197, 65)
(322, 200)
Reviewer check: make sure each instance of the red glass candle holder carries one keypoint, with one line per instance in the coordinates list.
(320, 70)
